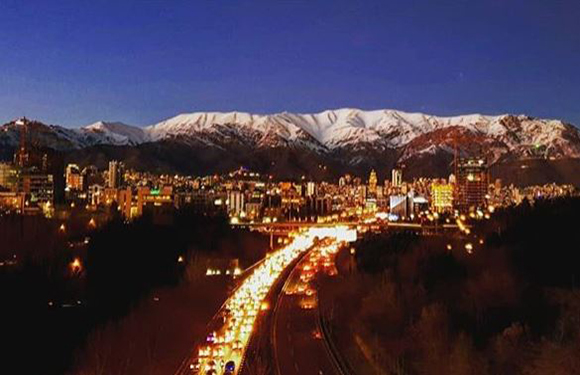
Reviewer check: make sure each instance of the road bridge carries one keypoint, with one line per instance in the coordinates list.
(283, 229)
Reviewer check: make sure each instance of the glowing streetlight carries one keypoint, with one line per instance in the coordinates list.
(76, 266)
(469, 248)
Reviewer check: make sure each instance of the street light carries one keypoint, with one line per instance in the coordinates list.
(76, 266)
(469, 248)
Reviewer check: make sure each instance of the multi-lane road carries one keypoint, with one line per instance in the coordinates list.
(296, 334)
(270, 320)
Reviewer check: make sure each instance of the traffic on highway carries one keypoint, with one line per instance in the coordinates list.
(224, 349)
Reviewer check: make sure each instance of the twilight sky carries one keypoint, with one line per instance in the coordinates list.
(80, 61)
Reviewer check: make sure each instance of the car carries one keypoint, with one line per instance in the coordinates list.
(310, 292)
(195, 366)
(229, 368)
(301, 288)
(204, 351)
(218, 351)
(212, 365)
(308, 302)
(237, 345)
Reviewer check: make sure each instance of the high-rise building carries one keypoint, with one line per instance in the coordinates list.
(73, 178)
(442, 197)
(310, 189)
(115, 177)
(236, 202)
(22, 156)
(399, 205)
(396, 177)
(39, 188)
(472, 181)
(452, 179)
(8, 177)
(373, 182)
(90, 176)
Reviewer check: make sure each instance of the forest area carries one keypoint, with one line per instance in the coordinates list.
(71, 291)
(425, 305)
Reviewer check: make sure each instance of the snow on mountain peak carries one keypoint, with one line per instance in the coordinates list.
(344, 128)
(349, 126)
(116, 133)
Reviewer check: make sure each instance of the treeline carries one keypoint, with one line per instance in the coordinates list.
(50, 307)
(511, 305)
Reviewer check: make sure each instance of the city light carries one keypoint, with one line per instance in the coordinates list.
(76, 265)
(469, 248)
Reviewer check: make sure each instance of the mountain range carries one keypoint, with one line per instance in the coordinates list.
(321, 145)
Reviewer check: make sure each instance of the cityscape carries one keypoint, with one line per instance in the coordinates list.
(301, 235)
(38, 182)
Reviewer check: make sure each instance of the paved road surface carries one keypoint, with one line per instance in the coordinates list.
(297, 340)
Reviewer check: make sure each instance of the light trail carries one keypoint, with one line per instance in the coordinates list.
(224, 349)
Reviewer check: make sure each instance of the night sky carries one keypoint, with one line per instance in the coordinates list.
(76, 62)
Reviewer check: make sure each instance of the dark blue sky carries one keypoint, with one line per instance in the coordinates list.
(75, 62)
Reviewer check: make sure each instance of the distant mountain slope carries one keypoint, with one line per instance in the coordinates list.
(116, 133)
(380, 129)
(343, 140)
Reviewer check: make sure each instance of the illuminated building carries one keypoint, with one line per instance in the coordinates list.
(12, 201)
(23, 157)
(73, 178)
(8, 177)
(109, 196)
(399, 205)
(39, 188)
(405, 206)
(396, 177)
(236, 202)
(310, 189)
(115, 176)
(472, 180)
(95, 193)
(253, 209)
(373, 182)
(442, 197)
(158, 203)
(319, 206)
(125, 202)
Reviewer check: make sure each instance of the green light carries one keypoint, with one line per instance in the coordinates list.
(154, 192)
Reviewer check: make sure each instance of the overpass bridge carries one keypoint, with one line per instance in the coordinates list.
(283, 229)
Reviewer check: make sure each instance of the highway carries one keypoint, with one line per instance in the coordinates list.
(238, 329)
(296, 335)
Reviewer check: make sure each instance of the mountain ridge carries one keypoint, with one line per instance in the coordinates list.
(347, 138)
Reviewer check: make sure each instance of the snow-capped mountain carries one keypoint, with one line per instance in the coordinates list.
(64, 139)
(355, 129)
(347, 138)
(115, 133)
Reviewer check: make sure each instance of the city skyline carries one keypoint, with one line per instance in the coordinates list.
(295, 187)
(142, 63)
